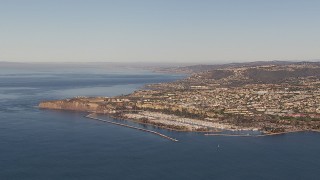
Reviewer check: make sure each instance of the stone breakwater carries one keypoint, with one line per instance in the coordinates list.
(93, 116)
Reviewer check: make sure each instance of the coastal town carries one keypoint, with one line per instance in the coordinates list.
(268, 98)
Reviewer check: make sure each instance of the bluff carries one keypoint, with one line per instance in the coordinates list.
(75, 105)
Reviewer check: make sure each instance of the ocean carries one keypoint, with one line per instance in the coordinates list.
(49, 145)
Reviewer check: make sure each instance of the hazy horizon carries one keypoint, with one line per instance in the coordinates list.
(209, 31)
(154, 63)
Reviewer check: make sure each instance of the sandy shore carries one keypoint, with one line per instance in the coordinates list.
(261, 135)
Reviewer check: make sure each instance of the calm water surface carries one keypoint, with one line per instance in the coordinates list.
(43, 144)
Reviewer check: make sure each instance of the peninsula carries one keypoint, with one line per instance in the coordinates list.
(271, 97)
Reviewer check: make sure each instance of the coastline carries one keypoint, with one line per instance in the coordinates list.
(218, 132)
(163, 121)
(262, 135)
(184, 106)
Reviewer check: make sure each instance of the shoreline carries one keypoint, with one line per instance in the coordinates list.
(261, 135)
(207, 133)
(211, 133)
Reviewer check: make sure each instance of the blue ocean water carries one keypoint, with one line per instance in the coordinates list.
(45, 144)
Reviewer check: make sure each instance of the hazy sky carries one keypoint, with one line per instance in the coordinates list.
(159, 30)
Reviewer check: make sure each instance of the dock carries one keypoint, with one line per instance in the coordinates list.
(132, 127)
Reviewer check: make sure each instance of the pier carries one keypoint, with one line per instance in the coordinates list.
(132, 127)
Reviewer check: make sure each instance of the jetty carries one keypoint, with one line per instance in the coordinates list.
(90, 116)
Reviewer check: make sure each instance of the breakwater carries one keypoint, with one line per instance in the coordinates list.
(132, 127)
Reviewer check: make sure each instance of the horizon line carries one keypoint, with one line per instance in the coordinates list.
(162, 62)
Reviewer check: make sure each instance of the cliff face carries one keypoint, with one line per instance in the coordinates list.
(70, 105)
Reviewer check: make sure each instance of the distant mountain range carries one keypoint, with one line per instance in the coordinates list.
(206, 67)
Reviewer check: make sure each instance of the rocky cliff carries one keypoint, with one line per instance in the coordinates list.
(76, 105)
